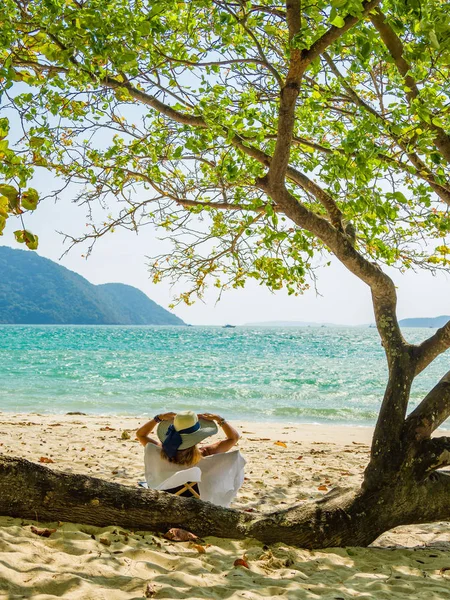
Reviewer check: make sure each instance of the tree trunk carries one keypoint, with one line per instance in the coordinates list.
(341, 518)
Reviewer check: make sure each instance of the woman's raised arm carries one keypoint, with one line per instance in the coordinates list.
(223, 445)
(142, 432)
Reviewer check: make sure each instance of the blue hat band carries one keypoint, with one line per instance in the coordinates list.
(174, 440)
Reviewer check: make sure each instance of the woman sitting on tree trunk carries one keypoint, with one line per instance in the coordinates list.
(177, 450)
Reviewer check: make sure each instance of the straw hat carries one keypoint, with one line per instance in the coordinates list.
(187, 420)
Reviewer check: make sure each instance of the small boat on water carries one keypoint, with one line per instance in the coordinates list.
(229, 326)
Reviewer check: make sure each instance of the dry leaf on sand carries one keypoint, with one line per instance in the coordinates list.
(42, 532)
(282, 444)
(45, 459)
(200, 549)
(241, 562)
(180, 535)
(150, 591)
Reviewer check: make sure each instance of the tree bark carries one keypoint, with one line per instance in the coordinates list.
(32, 491)
(344, 517)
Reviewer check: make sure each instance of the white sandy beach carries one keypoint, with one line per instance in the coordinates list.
(287, 464)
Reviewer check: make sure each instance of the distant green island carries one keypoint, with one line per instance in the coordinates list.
(36, 290)
(425, 322)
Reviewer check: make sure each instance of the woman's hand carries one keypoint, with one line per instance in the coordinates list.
(167, 416)
(211, 417)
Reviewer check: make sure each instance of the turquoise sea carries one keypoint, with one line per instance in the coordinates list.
(321, 375)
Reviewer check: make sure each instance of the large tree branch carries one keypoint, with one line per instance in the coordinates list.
(198, 121)
(288, 98)
(135, 93)
(395, 48)
(187, 203)
(398, 351)
(428, 501)
(297, 177)
(334, 33)
(386, 454)
(428, 350)
(149, 100)
(78, 498)
(341, 518)
(431, 412)
(299, 62)
(433, 454)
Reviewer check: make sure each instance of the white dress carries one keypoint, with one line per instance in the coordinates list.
(219, 476)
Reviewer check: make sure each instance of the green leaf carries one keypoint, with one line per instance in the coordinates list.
(31, 240)
(400, 197)
(36, 142)
(19, 235)
(30, 199)
(10, 192)
(436, 158)
(4, 207)
(434, 41)
(126, 59)
(4, 127)
(123, 94)
(366, 49)
(438, 122)
(23, 236)
(144, 28)
(338, 22)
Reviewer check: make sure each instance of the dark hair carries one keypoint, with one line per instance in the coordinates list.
(188, 457)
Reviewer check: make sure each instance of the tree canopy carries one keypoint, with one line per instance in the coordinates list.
(177, 109)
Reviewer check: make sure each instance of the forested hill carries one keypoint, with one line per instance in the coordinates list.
(35, 290)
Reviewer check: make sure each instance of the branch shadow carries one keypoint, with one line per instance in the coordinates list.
(109, 563)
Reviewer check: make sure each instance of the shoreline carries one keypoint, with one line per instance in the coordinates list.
(278, 421)
(277, 424)
(287, 464)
